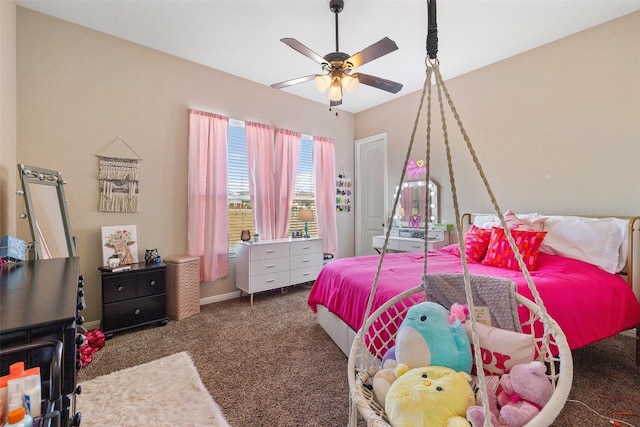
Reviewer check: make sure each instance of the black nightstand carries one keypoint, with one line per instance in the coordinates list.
(133, 298)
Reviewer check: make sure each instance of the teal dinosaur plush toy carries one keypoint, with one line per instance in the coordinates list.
(429, 335)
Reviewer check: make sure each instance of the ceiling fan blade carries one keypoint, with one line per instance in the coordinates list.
(376, 50)
(296, 45)
(292, 82)
(378, 82)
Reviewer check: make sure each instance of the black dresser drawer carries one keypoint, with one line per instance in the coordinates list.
(118, 288)
(135, 312)
(151, 284)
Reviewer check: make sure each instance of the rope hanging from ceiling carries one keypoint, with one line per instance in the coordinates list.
(362, 363)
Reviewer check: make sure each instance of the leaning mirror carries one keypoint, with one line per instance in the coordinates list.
(47, 212)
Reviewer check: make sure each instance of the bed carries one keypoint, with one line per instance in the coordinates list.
(584, 274)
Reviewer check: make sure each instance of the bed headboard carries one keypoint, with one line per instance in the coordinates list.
(632, 244)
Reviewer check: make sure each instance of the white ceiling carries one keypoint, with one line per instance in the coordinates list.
(242, 37)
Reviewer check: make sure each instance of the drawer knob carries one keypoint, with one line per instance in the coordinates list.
(120, 288)
(137, 311)
(152, 283)
(80, 339)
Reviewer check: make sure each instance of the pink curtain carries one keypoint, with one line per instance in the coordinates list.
(287, 151)
(324, 165)
(207, 227)
(260, 156)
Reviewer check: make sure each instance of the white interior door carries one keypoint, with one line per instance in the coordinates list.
(370, 191)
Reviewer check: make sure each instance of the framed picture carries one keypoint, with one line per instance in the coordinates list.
(120, 240)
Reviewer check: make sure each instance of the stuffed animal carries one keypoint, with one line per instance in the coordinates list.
(431, 335)
(428, 335)
(475, 414)
(520, 396)
(431, 396)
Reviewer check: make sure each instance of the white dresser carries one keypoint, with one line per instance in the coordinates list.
(406, 240)
(271, 264)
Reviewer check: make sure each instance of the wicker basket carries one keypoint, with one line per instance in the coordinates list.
(183, 286)
(377, 335)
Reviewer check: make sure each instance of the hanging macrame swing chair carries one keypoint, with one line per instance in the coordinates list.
(378, 331)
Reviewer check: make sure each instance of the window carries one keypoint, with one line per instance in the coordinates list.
(239, 208)
(238, 196)
(304, 196)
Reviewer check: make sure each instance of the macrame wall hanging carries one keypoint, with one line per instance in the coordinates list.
(118, 178)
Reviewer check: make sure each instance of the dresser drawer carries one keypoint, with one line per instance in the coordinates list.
(302, 261)
(151, 283)
(411, 245)
(265, 282)
(306, 247)
(124, 314)
(118, 288)
(302, 275)
(275, 250)
(270, 265)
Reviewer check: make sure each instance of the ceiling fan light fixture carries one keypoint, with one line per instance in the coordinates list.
(335, 93)
(350, 83)
(322, 81)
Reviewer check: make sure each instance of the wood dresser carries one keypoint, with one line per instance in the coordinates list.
(133, 298)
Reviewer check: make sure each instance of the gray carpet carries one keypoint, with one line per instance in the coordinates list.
(272, 365)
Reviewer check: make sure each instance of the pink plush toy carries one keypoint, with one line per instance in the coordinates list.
(520, 395)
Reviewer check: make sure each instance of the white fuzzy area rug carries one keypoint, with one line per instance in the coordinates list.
(165, 392)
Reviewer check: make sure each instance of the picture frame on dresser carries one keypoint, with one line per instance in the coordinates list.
(120, 240)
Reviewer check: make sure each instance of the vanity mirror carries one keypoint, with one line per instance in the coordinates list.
(418, 202)
(47, 212)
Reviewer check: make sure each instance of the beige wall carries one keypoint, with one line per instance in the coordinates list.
(80, 89)
(7, 118)
(557, 129)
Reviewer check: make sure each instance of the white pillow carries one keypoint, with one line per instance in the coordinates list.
(531, 221)
(501, 349)
(598, 241)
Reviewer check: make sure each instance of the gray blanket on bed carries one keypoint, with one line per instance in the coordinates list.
(496, 293)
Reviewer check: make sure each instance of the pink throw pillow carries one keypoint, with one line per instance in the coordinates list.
(476, 242)
(499, 253)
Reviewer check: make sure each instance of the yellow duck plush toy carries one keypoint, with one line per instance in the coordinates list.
(432, 396)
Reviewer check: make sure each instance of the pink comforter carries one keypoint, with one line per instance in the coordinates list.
(588, 303)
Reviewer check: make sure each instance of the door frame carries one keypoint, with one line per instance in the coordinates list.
(360, 184)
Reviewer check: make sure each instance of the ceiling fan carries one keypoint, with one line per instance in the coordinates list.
(337, 67)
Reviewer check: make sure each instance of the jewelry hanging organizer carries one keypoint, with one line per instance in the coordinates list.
(343, 192)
